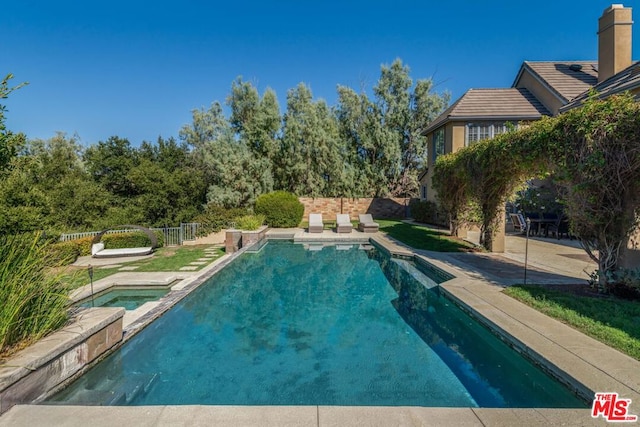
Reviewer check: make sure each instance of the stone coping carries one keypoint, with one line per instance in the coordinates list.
(258, 231)
(131, 278)
(332, 236)
(277, 416)
(86, 323)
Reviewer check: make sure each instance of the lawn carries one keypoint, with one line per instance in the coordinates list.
(423, 237)
(164, 259)
(610, 320)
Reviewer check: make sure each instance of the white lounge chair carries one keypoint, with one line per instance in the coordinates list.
(343, 223)
(367, 225)
(315, 223)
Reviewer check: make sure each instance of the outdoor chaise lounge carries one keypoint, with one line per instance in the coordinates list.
(315, 223)
(366, 224)
(98, 250)
(519, 223)
(343, 223)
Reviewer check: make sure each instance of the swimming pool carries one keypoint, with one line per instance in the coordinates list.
(290, 326)
(130, 297)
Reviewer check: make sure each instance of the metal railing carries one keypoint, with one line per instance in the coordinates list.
(173, 236)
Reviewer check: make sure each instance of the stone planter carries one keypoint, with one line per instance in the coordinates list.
(236, 239)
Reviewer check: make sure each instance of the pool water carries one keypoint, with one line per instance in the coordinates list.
(129, 298)
(289, 326)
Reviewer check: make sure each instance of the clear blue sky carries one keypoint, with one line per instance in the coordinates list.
(137, 69)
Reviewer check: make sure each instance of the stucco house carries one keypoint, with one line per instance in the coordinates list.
(541, 88)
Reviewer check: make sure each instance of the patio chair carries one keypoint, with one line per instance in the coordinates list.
(560, 227)
(519, 224)
(315, 223)
(367, 225)
(343, 223)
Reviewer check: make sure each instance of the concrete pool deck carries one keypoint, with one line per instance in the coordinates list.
(479, 280)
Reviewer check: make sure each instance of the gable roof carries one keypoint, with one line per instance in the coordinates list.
(513, 104)
(627, 79)
(565, 79)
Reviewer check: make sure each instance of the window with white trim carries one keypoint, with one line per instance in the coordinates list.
(483, 130)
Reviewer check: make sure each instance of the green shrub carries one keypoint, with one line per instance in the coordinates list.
(215, 218)
(34, 301)
(280, 208)
(623, 282)
(136, 239)
(160, 238)
(64, 253)
(423, 211)
(250, 222)
(84, 244)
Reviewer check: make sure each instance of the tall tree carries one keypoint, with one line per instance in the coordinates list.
(109, 164)
(405, 114)
(312, 162)
(235, 176)
(369, 154)
(256, 120)
(10, 143)
(169, 188)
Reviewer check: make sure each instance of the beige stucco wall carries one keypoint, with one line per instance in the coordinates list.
(533, 85)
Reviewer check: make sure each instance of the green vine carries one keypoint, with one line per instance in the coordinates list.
(594, 153)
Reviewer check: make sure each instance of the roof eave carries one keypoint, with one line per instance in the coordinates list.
(581, 98)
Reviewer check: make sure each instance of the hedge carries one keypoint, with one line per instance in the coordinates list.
(280, 208)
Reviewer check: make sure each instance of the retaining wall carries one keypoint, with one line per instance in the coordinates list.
(329, 207)
(32, 373)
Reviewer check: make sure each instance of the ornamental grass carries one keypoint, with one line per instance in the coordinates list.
(34, 302)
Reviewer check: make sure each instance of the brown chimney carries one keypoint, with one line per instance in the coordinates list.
(614, 41)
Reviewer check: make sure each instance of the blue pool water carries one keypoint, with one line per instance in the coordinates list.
(290, 326)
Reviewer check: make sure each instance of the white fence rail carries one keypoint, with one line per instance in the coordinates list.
(173, 236)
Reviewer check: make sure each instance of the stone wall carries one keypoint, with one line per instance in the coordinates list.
(33, 372)
(377, 207)
(236, 239)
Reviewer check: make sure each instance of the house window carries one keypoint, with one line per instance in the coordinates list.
(438, 143)
(479, 131)
(424, 192)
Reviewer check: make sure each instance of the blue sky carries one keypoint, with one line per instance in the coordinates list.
(137, 69)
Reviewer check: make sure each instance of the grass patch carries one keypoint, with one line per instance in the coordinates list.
(172, 258)
(164, 259)
(421, 237)
(610, 320)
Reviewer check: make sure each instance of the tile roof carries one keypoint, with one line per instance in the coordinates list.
(627, 79)
(567, 79)
(492, 104)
